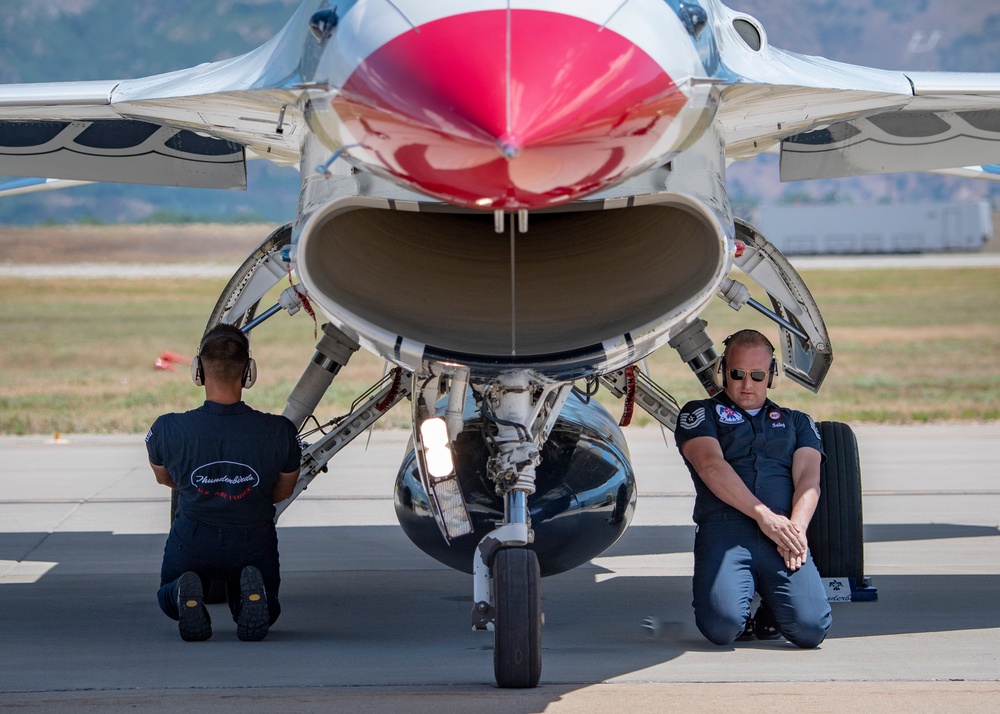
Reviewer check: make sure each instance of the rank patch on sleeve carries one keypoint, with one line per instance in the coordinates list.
(692, 419)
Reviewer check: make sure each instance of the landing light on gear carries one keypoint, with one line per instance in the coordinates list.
(437, 452)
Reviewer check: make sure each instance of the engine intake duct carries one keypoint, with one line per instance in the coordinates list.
(444, 279)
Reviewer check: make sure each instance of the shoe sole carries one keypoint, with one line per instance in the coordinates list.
(192, 621)
(765, 627)
(254, 619)
(747, 635)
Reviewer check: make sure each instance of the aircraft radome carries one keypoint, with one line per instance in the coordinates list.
(467, 168)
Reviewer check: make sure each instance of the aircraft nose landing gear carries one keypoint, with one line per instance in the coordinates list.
(508, 600)
(507, 592)
(517, 645)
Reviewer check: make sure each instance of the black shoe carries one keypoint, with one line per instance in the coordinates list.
(254, 619)
(747, 633)
(765, 627)
(192, 617)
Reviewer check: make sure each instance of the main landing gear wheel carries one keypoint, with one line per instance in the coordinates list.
(836, 533)
(517, 645)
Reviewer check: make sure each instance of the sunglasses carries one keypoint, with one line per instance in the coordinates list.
(756, 375)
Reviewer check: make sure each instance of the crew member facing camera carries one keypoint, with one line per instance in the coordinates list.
(755, 467)
(230, 464)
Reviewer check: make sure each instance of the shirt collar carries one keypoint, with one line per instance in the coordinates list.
(224, 409)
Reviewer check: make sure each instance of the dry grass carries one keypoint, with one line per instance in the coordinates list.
(909, 346)
(186, 243)
(77, 355)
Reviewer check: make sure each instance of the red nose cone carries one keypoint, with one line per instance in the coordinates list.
(547, 112)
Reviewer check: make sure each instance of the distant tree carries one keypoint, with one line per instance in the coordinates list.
(795, 198)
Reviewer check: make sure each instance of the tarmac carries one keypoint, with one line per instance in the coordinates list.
(371, 624)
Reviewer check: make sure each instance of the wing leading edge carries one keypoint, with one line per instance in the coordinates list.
(833, 119)
(193, 127)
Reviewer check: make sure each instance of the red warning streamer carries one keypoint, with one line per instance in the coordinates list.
(306, 305)
(629, 396)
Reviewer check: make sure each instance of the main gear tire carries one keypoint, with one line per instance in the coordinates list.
(836, 533)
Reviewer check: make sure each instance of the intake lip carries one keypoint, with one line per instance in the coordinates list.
(594, 289)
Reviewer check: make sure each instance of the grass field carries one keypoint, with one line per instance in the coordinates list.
(77, 355)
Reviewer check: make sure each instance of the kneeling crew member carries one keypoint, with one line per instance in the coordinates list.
(756, 469)
(230, 465)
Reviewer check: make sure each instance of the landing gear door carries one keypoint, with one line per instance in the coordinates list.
(807, 356)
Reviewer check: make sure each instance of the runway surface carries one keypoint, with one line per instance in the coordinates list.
(370, 623)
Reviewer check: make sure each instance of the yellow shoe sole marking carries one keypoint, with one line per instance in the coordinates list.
(254, 598)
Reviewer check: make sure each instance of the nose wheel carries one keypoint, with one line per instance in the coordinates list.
(517, 644)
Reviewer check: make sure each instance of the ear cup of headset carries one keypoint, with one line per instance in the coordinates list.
(775, 379)
(250, 373)
(197, 375)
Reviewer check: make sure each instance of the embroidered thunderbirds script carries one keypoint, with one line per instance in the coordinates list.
(690, 421)
(225, 479)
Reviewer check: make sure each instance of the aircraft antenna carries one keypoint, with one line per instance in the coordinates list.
(513, 295)
(507, 79)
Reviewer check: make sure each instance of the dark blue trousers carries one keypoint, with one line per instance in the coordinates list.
(732, 559)
(219, 553)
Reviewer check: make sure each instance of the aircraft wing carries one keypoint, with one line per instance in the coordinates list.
(834, 119)
(951, 121)
(985, 173)
(192, 127)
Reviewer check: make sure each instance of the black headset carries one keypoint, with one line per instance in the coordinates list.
(773, 375)
(249, 372)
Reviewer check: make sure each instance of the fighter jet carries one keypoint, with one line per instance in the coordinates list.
(513, 203)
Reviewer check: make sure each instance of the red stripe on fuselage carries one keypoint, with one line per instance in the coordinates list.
(584, 107)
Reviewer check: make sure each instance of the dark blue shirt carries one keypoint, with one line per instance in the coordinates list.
(225, 460)
(759, 448)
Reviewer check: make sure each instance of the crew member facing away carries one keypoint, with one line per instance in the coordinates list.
(756, 469)
(230, 465)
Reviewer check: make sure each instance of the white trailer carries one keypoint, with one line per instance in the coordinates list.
(890, 228)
